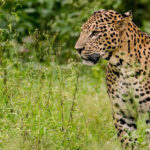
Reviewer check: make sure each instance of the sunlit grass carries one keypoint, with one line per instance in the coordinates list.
(36, 107)
(55, 107)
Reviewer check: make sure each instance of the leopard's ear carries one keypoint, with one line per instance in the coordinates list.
(127, 17)
(127, 14)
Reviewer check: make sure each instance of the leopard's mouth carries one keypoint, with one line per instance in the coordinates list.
(91, 59)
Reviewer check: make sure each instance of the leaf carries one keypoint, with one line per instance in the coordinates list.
(29, 10)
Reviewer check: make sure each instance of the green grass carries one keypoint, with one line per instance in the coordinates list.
(55, 107)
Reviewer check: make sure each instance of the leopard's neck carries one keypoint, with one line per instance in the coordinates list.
(134, 49)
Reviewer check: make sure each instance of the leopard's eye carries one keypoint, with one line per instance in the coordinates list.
(94, 33)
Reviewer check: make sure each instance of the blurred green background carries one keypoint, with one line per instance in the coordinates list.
(60, 19)
(49, 100)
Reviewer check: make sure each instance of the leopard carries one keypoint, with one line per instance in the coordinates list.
(114, 37)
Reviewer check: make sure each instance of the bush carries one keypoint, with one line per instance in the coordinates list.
(63, 18)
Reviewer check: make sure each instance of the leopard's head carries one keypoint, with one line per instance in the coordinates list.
(100, 35)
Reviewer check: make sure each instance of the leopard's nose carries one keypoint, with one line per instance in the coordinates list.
(80, 50)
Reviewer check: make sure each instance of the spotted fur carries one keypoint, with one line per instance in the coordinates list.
(110, 35)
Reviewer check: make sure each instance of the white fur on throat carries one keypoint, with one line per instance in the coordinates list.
(89, 63)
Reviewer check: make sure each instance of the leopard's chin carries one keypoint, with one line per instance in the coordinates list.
(88, 62)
